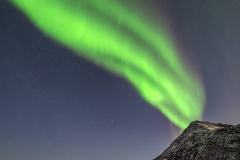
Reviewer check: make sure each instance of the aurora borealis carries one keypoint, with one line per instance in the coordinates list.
(147, 57)
(67, 98)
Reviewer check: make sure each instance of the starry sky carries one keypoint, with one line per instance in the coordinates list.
(55, 105)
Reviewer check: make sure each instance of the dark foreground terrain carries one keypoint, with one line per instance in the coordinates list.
(205, 141)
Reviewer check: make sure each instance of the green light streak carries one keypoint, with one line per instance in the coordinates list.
(110, 35)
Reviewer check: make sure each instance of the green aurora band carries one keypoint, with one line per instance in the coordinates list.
(113, 37)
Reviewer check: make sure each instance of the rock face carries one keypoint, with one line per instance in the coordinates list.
(205, 141)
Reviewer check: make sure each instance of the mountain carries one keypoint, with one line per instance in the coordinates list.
(205, 141)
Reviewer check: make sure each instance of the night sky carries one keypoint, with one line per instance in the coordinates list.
(55, 105)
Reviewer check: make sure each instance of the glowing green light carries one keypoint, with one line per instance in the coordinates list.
(111, 36)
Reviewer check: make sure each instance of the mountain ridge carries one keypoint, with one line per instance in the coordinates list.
(205, 140)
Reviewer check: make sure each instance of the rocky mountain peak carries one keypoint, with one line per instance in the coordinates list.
(205, 141)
